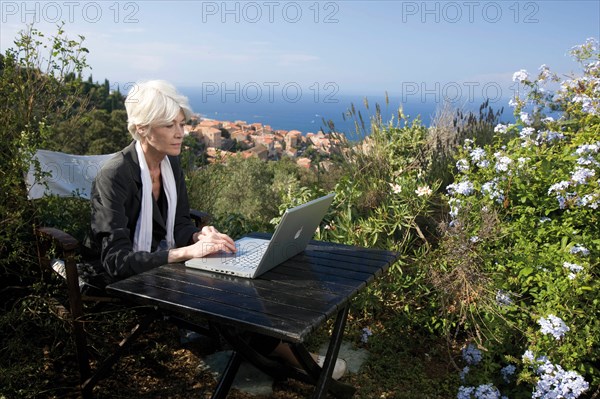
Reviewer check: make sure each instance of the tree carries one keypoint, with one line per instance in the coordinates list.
(37, 90)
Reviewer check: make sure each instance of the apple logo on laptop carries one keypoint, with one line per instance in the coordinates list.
(298, 233)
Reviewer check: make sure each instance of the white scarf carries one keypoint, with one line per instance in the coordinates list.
(142, 240)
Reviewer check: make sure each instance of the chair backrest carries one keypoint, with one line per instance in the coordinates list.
(64, 174)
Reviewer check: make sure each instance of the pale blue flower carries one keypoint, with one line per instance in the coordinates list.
(579, 249)
(593, 67)
(555, 382)
(526, 132)
(366, 333)
(471, 354)
(591, 107)
(568, 197)
(528, 356)
(548, 119)
(544, 365)
(588, 148)
(464, 392)
(544, 73)
(558, 187)
(507, 372)
(520, 76)
(493, 191)
(503, 163)
(503, 298)
(463, 188)
(589, 200)
(590, 44)
(522, 161)
(588, 104)
(474, 239)
(464, 372)
(580, 98)
(487, 391)
(467, 144)
(454, 207)
(553, 325)
(574, 268)
(462, 165)
(500, 128)
(537, 364)
(581, 175)
(525, 118)
(587, 160)
(477, 154)
(548, 136)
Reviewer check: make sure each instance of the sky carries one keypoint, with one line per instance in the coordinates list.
(414, 49)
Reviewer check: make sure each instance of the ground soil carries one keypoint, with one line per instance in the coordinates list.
(159, 366)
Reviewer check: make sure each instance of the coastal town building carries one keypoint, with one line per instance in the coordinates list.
(225, 138)
(304, 162)
(212, 137)
(292, 139)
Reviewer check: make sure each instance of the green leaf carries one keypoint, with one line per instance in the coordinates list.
(526, 271)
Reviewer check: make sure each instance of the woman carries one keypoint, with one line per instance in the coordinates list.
(140, 209)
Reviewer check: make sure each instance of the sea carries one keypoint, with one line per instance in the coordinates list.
(310, 114)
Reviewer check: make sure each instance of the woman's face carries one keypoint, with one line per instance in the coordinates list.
(167, 139)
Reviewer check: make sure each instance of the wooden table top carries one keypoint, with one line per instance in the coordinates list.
(288, 302)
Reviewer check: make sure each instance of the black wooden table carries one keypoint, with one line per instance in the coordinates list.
(288, 302)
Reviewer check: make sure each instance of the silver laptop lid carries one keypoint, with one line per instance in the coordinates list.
(293, 233)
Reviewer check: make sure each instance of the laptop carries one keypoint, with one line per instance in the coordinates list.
(256, 256)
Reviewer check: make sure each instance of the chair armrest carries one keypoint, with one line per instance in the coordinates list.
(52, 238)
(47, 237)
(65, 242)
(201, 219)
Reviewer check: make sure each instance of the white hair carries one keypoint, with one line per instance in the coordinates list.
(154, 103)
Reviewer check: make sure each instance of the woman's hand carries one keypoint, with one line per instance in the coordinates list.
(207, 241)
(214, 241)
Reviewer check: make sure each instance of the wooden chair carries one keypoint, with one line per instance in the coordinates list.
(67, 175)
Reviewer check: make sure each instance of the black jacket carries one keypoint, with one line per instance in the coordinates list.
(116, 203)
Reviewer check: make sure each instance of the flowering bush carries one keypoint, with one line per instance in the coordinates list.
(384, 198)
(385, 191)
(526, 209)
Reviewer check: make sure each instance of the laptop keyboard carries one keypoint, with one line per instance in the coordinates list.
(247, 258)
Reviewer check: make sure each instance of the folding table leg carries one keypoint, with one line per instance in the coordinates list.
(228, 376)
(321, 377)
(332, 354)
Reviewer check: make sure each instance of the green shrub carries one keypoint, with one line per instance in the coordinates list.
(242, 195)
(37, 90)
(384, 199)
(517, 269)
